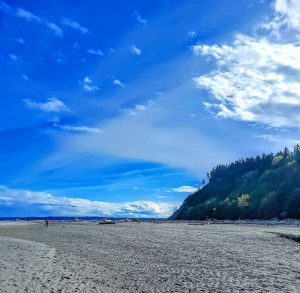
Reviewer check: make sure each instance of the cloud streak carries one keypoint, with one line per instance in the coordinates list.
(80, 129)
(75, 26)
(179, 146)
(184, 189)
(117, 82)
(97, 52)
(51, 105)
(135, 50)
(139, 18)
(30, 17)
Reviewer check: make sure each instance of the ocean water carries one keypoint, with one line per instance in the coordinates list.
(72, 218)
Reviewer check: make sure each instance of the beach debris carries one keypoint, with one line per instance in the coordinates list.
(105, 222)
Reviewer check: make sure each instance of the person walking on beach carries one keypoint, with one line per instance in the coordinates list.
(46, 223)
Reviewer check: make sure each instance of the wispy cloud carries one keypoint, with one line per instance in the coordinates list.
(59, 57)
(80, 128)
(5, 7)
(55, 28)
(20, 41)
(135, 110)
(27, 15)
(88, 85)
(135, 50)
(68, 206)
(30, 17)
(275, 139)
(117, 82)
(13, 57)
(192, 34)
(158, 93)
(256, 79)
(75, 25)
(160, 141)
(25, 77)
(184, 189)
(140, 107)
(96, 52)
(139, 18)
(51, 105)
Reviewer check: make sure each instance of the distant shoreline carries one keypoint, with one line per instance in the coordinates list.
(282, 222)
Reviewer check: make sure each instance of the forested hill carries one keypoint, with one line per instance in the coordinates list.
(263, 187)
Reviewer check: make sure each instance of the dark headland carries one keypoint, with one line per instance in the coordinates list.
(262, 187)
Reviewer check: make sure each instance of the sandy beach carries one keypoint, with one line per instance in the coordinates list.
(147, 257)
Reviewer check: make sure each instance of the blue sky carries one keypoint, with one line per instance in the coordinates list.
(121, 107)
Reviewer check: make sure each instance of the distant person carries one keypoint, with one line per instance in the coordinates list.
(46, 223)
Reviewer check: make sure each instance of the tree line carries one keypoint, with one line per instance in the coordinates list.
(261, 187)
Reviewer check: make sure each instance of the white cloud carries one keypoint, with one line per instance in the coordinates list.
(256, 79)
(75, 25)
(185, 189)
(90, 88)
(140, 107)
(25, 77)
(268, 137)
(139, 18)
(288, 13)
(55, 28)
(20, 41)
(275, 139)
(52, 105)
(80, 128)
(95, 52)
(117, 82)
(68, 206)
(59, 57)
(135, 50)
(13, 57)
(159, 93)
(27, 15)
(148, 208)
(285, 20)
(88, 85)
(192, 34)
(87, 80)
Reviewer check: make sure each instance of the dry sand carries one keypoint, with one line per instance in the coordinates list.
(146, 257)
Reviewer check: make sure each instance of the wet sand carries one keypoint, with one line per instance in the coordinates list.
(147, 257)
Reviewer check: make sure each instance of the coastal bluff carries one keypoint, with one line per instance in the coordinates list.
(262, 187)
